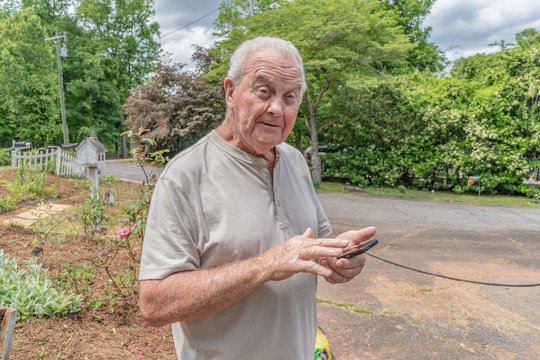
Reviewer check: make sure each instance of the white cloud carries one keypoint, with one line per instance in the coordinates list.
(179, 46)
(466, 27)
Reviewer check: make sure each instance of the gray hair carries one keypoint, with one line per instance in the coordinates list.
(248, 47)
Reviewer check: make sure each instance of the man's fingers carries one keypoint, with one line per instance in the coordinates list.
(317, 269)
(342, 264)
(322, 248)
(315, 252)
(358, 236)
(350, 269)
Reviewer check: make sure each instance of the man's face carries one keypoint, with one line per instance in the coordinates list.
(265, 103)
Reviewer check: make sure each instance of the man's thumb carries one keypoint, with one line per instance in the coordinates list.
(308, 233)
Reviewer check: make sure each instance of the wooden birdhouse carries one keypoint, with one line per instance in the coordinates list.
(91, 152)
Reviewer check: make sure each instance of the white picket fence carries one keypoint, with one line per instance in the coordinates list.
(62, 163)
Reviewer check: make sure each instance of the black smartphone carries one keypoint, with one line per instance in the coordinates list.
(358, 249)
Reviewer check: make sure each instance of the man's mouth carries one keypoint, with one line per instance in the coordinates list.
(270, 124)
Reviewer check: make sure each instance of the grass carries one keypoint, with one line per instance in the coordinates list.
(346, 306)
(470, 199)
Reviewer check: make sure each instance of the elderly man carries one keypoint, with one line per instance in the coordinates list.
(236, 237)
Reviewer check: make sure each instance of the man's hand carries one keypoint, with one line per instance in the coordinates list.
(343, 270)
(297, 254)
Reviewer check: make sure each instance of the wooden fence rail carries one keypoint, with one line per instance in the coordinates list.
(58, 161)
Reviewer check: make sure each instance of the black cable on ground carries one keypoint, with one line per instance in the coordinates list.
(452, 278)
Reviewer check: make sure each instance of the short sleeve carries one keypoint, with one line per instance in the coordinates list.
(170, 240)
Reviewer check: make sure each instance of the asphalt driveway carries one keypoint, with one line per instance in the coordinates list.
(392, 313)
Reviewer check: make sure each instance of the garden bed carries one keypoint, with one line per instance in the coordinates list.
(109, 325)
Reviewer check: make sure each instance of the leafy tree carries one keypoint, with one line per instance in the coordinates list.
(92, 102)
(176, 106)
(434, 132)
(29, 107)
(342, 42)
(410, 14)
(122, 33)
(111, 48)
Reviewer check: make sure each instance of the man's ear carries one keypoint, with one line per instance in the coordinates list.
(229, 91)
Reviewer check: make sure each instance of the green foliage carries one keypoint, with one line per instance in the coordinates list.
(31, 292)
(109, 180)
(436, 132)
(342, 42)
(92, 213)
(27, 186)
(28, 82)
(410, 14)
(75, 278)
(111, 48)
(137, 215)
(5, 158)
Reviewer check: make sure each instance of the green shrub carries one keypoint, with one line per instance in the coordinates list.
(5, 158)
(31, 292)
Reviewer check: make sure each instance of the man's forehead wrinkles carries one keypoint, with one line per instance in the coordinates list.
(260, 64)
(274, 76)
(291, 82)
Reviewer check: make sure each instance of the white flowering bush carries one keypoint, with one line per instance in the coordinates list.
(30, 292)
(423, 131)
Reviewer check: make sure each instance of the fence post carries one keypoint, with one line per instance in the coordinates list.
(13, 160)
(7, 325)
(58, 160)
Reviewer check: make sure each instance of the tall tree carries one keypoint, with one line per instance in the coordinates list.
(123, 34)
(28, 83)
(343, 42)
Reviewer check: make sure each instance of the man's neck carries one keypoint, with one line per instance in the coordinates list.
(227, 131)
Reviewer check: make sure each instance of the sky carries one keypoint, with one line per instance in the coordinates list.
(460, 28)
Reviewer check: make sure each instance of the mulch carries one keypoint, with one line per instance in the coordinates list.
(115, 329)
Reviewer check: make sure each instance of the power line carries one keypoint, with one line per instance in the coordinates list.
(191, 23)
(452, 278)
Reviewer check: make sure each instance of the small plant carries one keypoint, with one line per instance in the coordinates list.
(7, 203)
(25, 187)
(110, 180)
(31, 292)
(142, 155)
(76, 278)
(95, 304)
(93, 214)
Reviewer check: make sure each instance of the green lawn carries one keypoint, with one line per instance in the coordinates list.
(471, 199)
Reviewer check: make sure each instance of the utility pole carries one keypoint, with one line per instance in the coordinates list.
(251, 7)
(59, 53)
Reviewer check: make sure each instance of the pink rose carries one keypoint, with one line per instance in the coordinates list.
(124, 233)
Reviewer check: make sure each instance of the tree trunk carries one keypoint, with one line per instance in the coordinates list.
(315, 157)
(124, 146)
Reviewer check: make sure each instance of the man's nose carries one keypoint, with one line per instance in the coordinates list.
(276, 107)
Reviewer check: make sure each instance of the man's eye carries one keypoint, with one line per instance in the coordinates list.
(291, 98)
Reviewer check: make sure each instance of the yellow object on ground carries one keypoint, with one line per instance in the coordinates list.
(322, 348)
